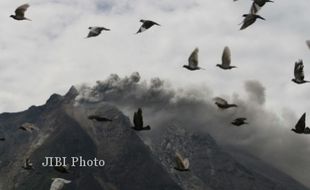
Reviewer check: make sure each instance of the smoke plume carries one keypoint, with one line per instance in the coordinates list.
(268, 135)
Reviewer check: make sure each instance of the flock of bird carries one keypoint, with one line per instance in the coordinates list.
(182, 164)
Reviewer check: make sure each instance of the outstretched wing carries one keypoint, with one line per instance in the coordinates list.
(138, 120)
(301, 124)
(226, 57)
(299, 70)
(193, 58)
(20, 11)
(179, 161)
(220, 101)
(255, 8)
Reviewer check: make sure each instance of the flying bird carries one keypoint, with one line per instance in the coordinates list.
(29, 127)
(20, 12)
(193, 61)
(258, 4)
(27, 165)
(146, 24)
(226, 60)
(299, 73)
(138, 121)
(223, 104)
(182, 164)
(239, 121)
(95, 31)
(99, 118)
(249, 19)
(300, 127)
(59, 183)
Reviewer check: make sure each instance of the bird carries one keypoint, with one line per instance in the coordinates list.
(300, 127)
(299, 75)
(99, 118)
(27, 165)
(95, 31)
(258, 4)
(239, 121)
(193, 61)
(62, 169)
(59, 183)
(2, 138)
(20, 12)
(182, 164)
(29, 127)
(226, 59)
(249, 19)
(146, 24)
(138, 121)
(223, 104)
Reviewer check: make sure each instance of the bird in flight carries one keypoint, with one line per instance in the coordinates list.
(300, 127)
(223, 104)
(193, 61)
(20, 12)
(239, 121)
(182, 164)
(138, 121)
(249, 19)
(59, 183)
(146, 24)
(95, 31)
(299, 76)
(258, 4)
(226, 59)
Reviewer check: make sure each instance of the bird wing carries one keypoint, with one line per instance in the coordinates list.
(138, 120)
(299, 70)
(248, 20)
(179, 161)
(186, 163)
(255, 8)
(301, 124)
(226, 57)
(220, 101)
(193, 58)
(59, 183)
(20, 11)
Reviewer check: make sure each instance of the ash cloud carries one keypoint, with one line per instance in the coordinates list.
(268, 136)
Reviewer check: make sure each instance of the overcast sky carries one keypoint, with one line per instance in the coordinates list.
(49, 54)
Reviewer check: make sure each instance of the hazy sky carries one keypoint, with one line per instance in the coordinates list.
(49, 54)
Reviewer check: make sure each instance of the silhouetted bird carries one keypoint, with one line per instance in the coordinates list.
(29, 127)
(239, 121)
(223, 104)
(299, 73)
(99, 118)
(226, 59)
(59, 183)
(249, 19)
(27, 165)
(146, 24)
(181, 164)
(138, 121)
(193, 61)
(20, 12)
(300, 126)
(95, 31)
(257, 5)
